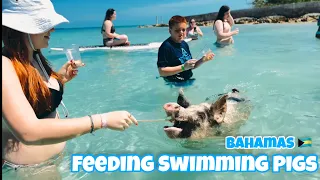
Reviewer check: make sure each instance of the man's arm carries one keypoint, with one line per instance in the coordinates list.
(199, 62)
(164, 57)
(169, 71)
(205, 58)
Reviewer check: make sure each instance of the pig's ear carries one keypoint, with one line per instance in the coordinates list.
(182, 100)
(218, 109)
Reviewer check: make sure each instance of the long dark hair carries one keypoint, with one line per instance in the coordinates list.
(221, 12)
(108, 15)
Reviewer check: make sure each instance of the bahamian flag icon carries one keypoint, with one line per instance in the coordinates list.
(304, 142)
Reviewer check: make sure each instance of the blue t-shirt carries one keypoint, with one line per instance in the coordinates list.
(172, 54)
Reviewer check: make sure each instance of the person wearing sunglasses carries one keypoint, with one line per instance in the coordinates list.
(193, 31)
(175, 62)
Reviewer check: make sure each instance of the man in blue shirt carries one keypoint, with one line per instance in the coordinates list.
(175, 62)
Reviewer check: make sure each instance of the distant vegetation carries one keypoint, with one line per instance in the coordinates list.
(264, 3)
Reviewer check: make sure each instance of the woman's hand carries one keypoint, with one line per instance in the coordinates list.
(118, 120)
(230, 19)
(70, 70)
(235, 32)
(195, 29)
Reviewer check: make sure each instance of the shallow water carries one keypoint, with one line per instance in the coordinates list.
(277, 66)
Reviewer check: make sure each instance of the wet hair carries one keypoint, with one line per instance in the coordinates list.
(176, 20)
(108, 15)
(223, 9)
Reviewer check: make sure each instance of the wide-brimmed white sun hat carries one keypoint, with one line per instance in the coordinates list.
(30, 16)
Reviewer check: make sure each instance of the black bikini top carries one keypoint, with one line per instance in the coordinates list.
(56, 98)
(112, 29)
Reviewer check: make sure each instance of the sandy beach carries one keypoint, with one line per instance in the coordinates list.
(307, 18)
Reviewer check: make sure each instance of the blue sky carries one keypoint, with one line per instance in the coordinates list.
(90, 13)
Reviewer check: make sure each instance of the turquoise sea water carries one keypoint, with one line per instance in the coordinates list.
(276, 65)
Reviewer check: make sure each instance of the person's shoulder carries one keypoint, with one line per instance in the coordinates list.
(6, 62)
(218, 21)
(167, 41)
(165, 44)
(108, 22)
(5, 59)
(184, 43)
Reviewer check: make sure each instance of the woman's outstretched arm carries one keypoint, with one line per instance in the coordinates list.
(27, 128)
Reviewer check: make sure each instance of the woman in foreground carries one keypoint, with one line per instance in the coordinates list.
(33, 136)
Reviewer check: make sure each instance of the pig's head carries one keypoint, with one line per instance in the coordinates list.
(187, 118)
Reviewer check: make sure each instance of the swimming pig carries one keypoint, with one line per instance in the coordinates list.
(220, 118)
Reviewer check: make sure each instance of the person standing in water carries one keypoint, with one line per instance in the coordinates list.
(193, 31)
(110, 37)
(175, 62)
(318, 32)
(34, 137)
(222, 27)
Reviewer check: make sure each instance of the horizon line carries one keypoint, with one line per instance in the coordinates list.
(119, 26)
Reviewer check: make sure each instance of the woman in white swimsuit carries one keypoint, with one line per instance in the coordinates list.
(193, 31)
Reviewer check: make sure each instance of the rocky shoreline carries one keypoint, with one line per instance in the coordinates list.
(307, 18)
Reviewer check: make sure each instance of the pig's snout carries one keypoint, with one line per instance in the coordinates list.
(171, 108)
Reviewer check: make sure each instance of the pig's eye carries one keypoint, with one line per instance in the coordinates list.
(176, 107)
